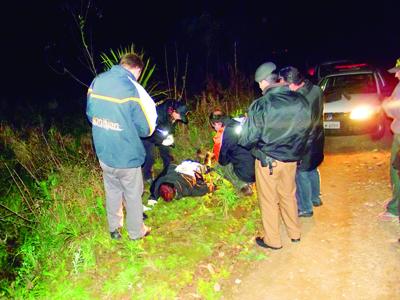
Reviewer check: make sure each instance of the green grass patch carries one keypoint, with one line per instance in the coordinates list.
(62, 241)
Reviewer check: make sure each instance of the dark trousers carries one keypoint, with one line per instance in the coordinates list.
(149, 161)
(153, 184)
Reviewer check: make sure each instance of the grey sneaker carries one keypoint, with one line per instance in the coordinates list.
(304, 214)
(116, 234)
(247, 190)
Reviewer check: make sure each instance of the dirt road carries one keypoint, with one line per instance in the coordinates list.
(345, 251)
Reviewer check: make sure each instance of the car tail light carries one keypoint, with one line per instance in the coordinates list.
(351, 66)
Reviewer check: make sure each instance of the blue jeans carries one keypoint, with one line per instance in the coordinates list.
(308, 190)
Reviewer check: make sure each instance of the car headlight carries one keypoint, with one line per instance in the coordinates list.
(361, 113)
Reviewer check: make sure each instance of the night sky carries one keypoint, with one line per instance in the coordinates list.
(36, 34)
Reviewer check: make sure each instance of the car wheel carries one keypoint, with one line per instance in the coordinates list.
(379, 131)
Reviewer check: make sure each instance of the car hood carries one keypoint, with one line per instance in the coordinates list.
(350, 102)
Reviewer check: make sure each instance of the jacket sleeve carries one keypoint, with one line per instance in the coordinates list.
(199, 189)
(145, 115)
(251, 129)
(392, 108)
(229, 140)
(89, 112)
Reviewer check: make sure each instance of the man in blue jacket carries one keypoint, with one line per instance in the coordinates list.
(121, 112)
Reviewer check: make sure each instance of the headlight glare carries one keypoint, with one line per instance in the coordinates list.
(361, 113)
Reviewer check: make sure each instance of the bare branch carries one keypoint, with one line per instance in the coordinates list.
(15, 213)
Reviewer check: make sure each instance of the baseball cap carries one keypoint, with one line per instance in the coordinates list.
(264, 70)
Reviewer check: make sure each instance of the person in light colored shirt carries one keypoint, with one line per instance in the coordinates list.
(391, 107)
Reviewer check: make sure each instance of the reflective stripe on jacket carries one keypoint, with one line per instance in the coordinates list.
(121, 112)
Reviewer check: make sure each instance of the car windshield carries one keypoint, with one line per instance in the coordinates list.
(326, 70)
(350, 84)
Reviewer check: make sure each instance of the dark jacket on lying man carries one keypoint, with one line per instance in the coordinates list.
(177, 181)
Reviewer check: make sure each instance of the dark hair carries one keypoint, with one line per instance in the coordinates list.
(216, 116)
(131, 60)
(291, 75)
(272, 78)
(167, 191)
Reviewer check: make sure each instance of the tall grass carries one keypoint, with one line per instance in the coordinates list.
(146, 79)
(54, 242)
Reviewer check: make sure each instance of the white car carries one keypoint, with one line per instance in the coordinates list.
(352, 102)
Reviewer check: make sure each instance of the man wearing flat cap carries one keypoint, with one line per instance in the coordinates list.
(276, 131)
(392, 109)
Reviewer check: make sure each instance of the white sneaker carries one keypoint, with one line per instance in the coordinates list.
(145, 208)
(152, 202)
(387, 216)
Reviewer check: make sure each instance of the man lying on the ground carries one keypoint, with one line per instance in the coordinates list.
(177, 181)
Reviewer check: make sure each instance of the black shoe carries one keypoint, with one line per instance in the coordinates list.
(247, 190)
(116, 235)
(260, 242)
(305, 214)
(317, 204)
(295, 240)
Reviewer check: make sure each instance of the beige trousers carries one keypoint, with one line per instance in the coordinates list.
(276, 195)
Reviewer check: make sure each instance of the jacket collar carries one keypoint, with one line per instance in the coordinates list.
(122, 71)
(275, 86)
(307, 87)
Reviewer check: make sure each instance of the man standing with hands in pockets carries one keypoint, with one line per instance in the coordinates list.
(121, 112)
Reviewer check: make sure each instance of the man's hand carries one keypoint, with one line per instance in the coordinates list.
(168, 141)
(211, 187)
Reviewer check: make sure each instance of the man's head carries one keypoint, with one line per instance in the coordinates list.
(291, 76)
(167, 191)
(265, 75)
(396, 69)
(216, 119)
(133, 63)
(178, 111)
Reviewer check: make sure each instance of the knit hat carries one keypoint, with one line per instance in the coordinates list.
(396, 68)
(264, 70)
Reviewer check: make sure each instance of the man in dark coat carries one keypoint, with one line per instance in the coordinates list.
(169, 113)
(236, 162)
(307, 175)
(276, 129)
